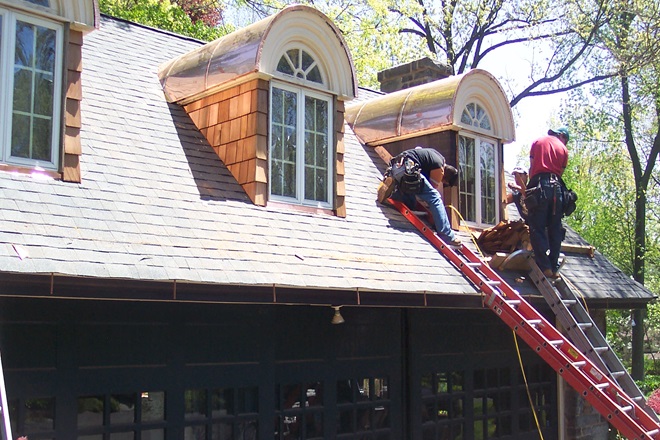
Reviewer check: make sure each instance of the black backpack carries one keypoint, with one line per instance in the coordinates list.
(407, 174)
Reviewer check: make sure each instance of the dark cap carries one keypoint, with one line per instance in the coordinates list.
(560, 130)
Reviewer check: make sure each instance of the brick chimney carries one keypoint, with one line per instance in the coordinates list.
(412, 74)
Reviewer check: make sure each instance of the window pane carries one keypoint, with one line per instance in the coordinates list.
(43, 94)
(45, 49)
(284, 66)
(283, 148)
(316, 149)
(41, 137)
(289, 183)
(465, 118)
(222, 402)
(307, 61)
(22, 90)
(195, 402)
(314, 75)
(40, 415)
(153, 434)
(40, 2)
(122, 409)
(247, 400)
(153, 406)
(488, 193)
(20, 136)
(293, 56)
(222, 431)
(90, 411)
(467, 183)
(24, 47)
(194, 432)
(485, 123)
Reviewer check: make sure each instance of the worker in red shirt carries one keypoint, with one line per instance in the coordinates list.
(548, 158)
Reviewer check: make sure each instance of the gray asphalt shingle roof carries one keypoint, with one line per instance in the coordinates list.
(156, 203)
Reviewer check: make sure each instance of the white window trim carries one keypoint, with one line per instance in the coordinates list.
(7, 43)
(478, 138)
(300, 151)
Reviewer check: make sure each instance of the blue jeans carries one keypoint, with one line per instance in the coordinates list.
(545, 229)
(433, 200)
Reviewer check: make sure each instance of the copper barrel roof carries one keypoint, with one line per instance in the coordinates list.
(256, 49)
(430, 108)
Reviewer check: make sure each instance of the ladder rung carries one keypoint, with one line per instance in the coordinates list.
(569, 302)
(601, 349)
(617, 374)
(652, 432)
(638, 398)
(584, 325)
(626, 408)
(513, 302)
(557, 342)
(534, 321)
(579, 364)
(475, 264)
(493, 283)
(602, 386)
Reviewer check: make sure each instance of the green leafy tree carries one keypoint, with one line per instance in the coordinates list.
(625, 115)
(168, 16)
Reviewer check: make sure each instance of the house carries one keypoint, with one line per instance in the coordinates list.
(172, 260)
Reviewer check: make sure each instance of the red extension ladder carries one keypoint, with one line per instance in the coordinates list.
(575, 368)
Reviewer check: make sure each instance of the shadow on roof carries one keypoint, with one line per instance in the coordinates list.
(213, 179)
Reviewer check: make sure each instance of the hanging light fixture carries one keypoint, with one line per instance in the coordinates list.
(337, 318)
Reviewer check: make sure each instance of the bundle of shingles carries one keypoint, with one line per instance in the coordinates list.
(506, 236)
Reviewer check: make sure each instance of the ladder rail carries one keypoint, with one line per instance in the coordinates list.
(578, 371)
(585, 334)
(6, 423)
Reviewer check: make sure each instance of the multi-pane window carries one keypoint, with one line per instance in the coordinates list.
(221, 414)
(30, 90)
(364, 409)
(34, 416)
(299, 63)
(119, 416)
(477, 160)
(496, 399)
(475, 115)
(299, 411)
(300, 146)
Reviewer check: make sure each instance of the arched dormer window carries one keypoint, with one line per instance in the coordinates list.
(301, 137)
(299, 63)
(477, 159)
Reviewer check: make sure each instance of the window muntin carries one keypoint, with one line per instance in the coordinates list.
(221, 413)
(299, 63)
(31, 84)
(124, 414)
(496, 398)
(299, 411)
(364, 406)
(477, 189)
(300, 146)
(476, 116)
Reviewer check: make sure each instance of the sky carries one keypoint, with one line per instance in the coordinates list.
(532, 115)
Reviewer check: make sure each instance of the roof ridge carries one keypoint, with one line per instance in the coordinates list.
(155, 29)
